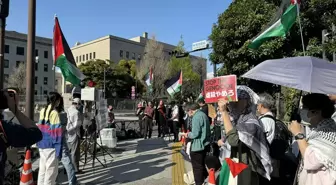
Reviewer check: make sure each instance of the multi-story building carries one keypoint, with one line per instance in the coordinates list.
(16, 53)
(115, 48)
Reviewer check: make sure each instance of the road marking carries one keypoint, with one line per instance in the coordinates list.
(178, 168)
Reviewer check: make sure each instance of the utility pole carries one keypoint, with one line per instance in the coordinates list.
(104, 83)
(324, 40)
(215, 69)
(4, 11)
(333, 31)
(30, 59)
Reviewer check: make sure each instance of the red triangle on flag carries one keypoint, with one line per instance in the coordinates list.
(235, 168)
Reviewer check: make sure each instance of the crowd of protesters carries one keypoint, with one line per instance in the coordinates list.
(247, 131)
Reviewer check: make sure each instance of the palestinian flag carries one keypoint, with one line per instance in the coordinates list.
(201, 95)
(148, 78)
(230, 171)
(174, 84)
(280, 25)
(63, 57)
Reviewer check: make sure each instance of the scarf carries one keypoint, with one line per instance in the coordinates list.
(160, 108)
(323, 141)
(251, 133)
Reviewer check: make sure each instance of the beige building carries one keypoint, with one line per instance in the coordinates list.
(116, 48)
(16, 53)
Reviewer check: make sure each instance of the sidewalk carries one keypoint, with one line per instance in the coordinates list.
(143, 162)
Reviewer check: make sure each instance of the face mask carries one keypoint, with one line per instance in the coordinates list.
(303, 115)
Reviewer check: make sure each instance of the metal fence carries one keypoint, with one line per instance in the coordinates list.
(123, 104)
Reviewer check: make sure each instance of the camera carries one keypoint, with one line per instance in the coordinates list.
(3, 98)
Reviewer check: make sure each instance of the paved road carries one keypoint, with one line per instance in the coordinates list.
(137, 162)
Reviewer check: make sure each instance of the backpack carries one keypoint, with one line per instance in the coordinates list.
(280, 143)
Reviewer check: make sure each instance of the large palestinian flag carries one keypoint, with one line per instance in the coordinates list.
(174, 84)
(230, 171)
(63, 57)
(280, 25)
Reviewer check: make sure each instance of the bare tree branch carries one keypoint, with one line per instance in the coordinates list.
(154, 57)
(18, 78)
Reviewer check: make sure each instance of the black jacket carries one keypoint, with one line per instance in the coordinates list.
(16, 136)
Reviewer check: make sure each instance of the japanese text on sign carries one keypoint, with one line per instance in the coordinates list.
(220, 87)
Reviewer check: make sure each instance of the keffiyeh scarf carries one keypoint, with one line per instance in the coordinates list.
(250, 131)
(323, 141)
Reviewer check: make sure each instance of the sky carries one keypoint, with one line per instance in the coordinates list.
(85, 20)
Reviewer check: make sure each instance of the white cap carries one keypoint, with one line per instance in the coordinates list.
(76, 100)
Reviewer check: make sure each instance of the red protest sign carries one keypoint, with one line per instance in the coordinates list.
(220, 87)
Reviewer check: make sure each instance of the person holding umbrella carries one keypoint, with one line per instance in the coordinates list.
(318, 164)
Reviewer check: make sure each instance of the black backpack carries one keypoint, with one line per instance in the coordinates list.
(282, 137)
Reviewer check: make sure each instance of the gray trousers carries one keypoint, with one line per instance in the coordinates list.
(74, 147)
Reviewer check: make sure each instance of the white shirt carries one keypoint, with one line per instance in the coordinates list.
(269, 126)
(175, 114)
(74, 123)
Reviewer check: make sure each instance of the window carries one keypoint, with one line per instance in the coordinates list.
(83, 57)
(46, 55)
(35, 92)
(121, 53)
(36, 66)
(20, 50)
(45, 80)
(139, 57)
(6, 63)
(90, 56)
(80, 58)
(45, 92)
(94, 55)
(45, 67)
(133, 56)
(18, 63)
(6, 48)
(127, 54)
(36, 53)
(76, 58)
(87, 56)
(36, 79)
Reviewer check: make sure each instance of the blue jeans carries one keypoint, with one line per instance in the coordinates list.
(69, 168)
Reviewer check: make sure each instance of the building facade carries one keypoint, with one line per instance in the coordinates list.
(116, 48)
(16, 53)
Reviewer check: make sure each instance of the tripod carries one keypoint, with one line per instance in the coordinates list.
(90, 143)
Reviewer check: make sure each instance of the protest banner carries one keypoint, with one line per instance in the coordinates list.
(220, 87)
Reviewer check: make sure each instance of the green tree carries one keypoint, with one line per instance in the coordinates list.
(191, 80)
(180, 46)
(118, 81)
(244, 19)
(129, 65)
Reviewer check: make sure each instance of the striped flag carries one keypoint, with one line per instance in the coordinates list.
(63, 57)
(280, 25)
(230, 171)
(149, 77)
(174, 84)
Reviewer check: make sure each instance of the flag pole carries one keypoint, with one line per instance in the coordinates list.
(54, 67)
(300, 26)
(181, 85)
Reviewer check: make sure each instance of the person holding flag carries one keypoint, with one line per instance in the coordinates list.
(249, 147)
